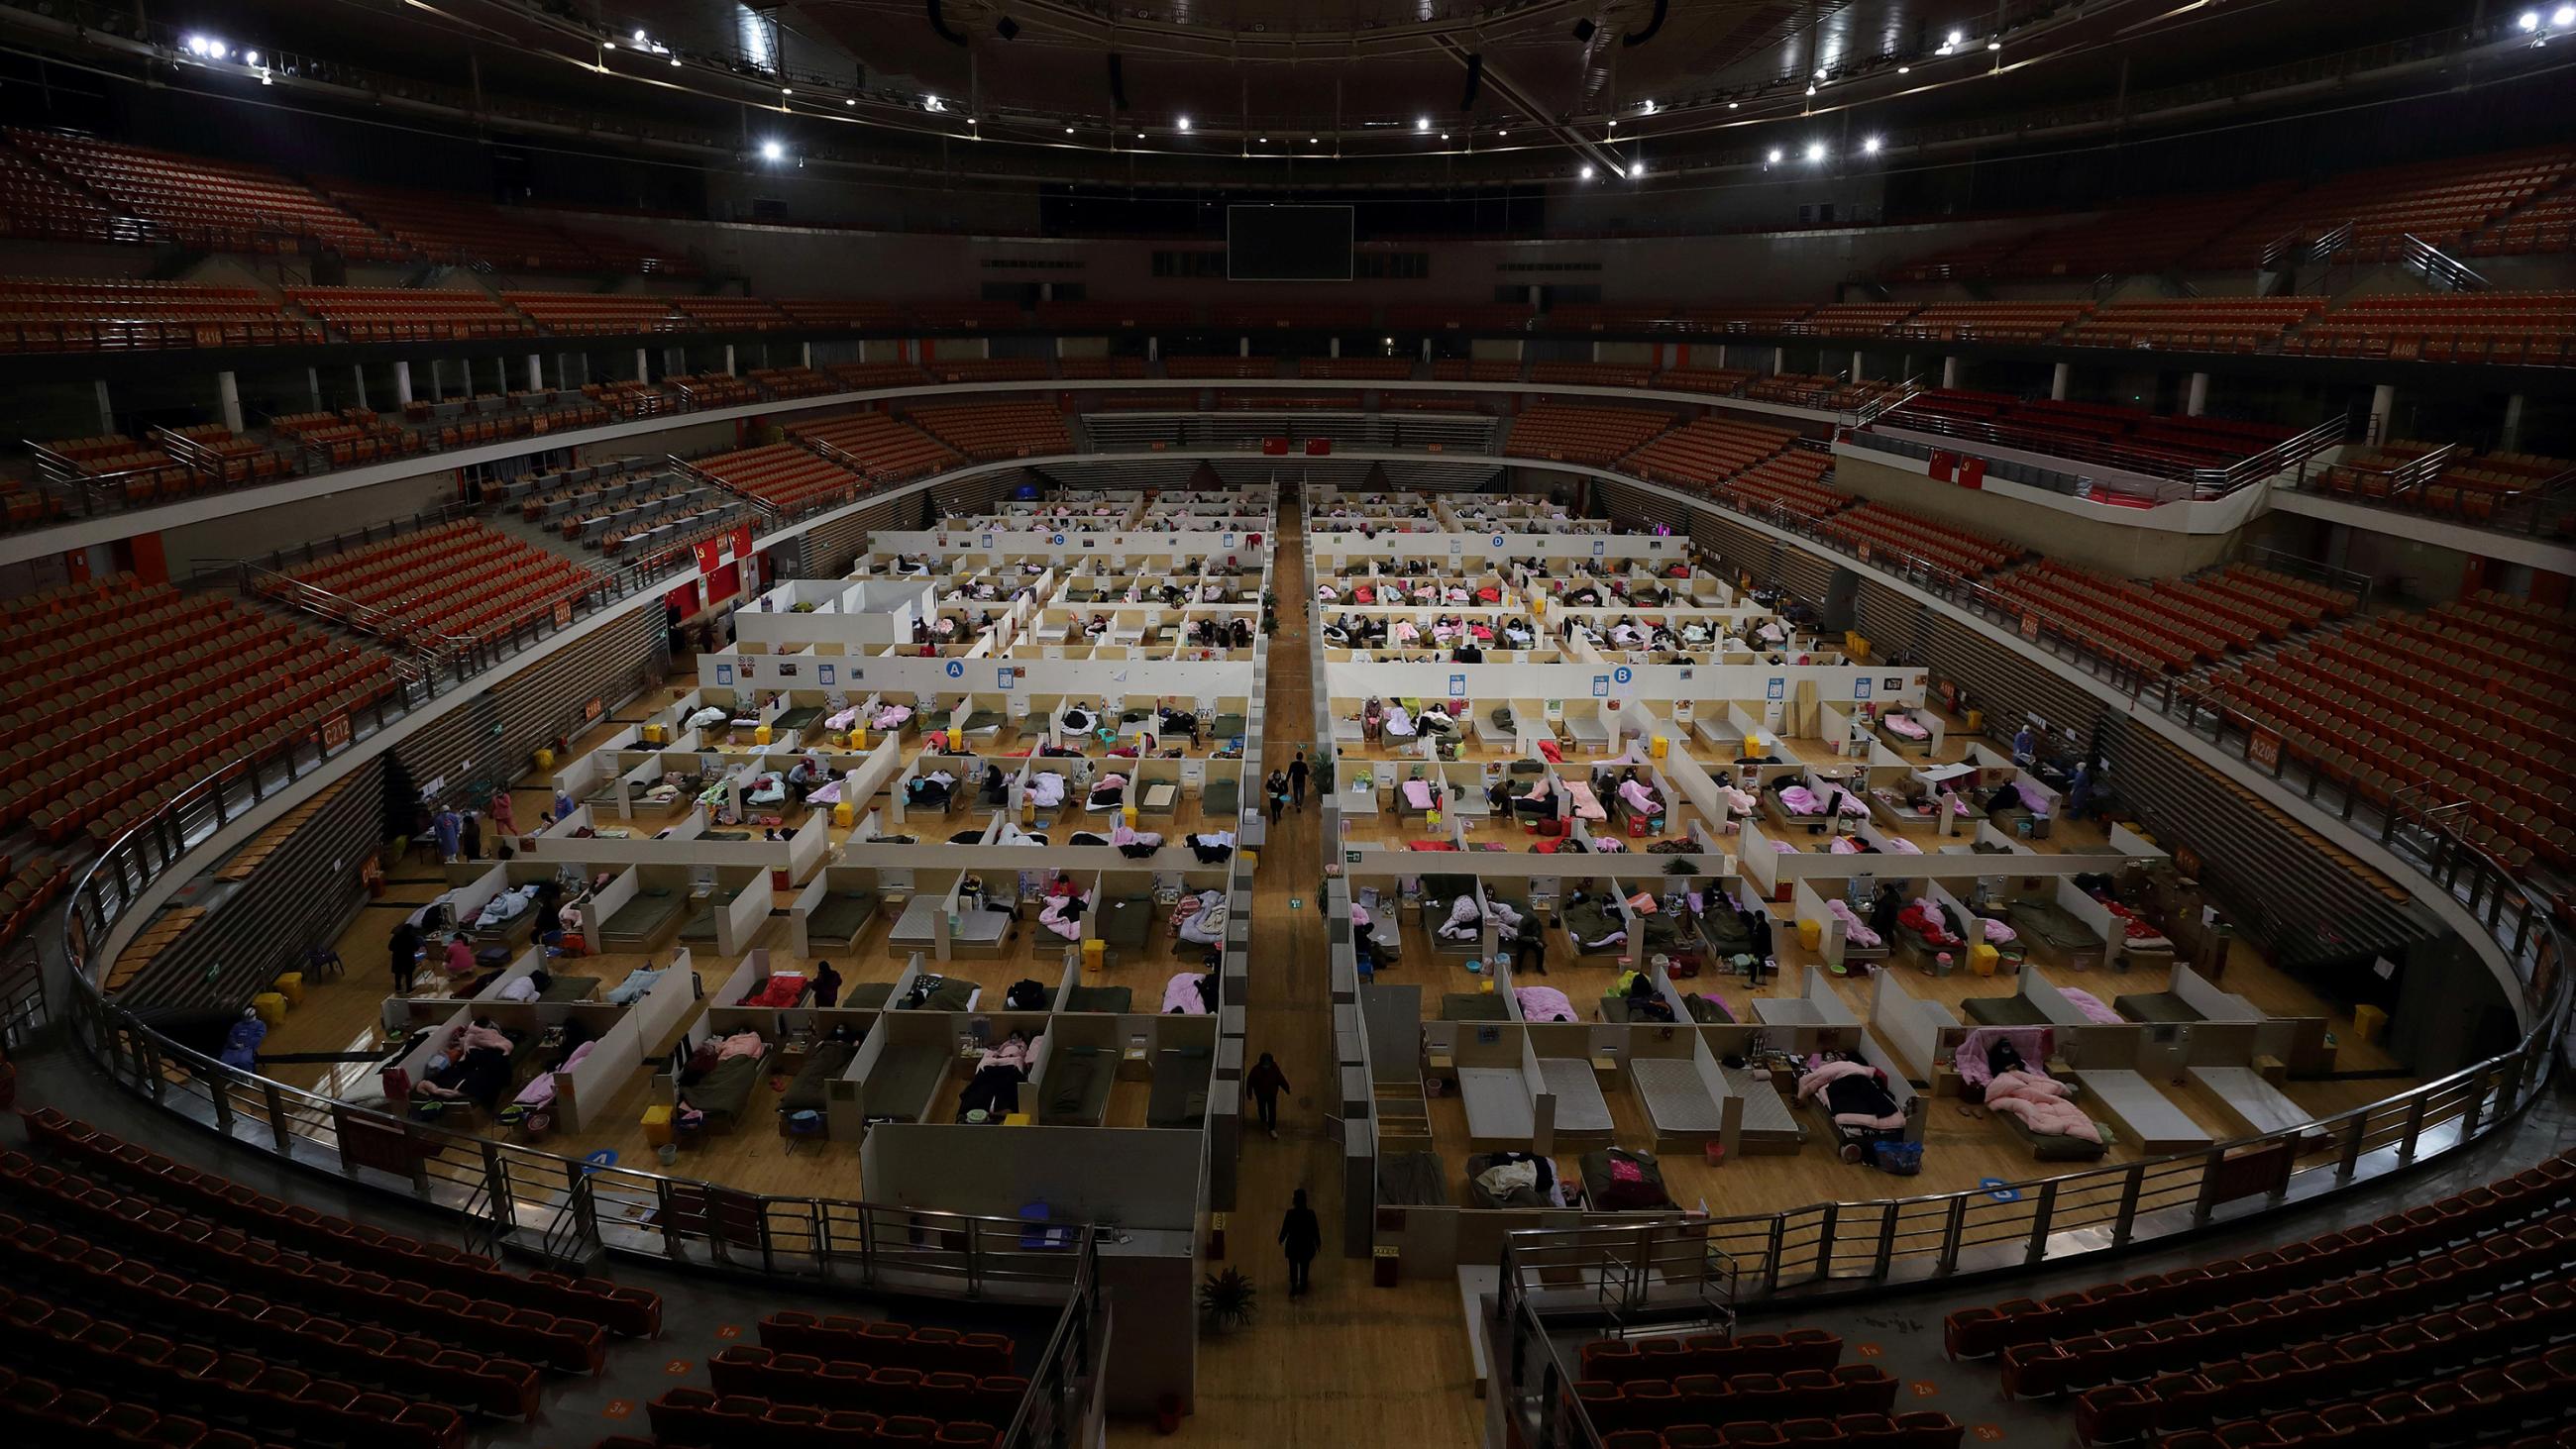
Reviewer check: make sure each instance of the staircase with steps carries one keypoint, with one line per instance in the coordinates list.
(1403, 1115)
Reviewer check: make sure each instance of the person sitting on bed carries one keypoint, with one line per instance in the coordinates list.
(995, 1089)
(997, 789)
(1435, 720)
(804, 778)
(1645, 1003)
(1134, 844)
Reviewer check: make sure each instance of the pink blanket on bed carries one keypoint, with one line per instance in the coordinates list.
(1417, 794)
(2085, 1001)
(1543, 1003)
(1587, 806)
(1799, 800)
(1856, 932)
(1815, 1081)
(2033, 1042)
(1904, 726)
(2040, 1102)
(1181, 994)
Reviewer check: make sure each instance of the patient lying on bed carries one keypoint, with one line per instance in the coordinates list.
(1063, 915)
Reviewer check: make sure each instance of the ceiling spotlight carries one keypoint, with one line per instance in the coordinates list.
(1422, 123)
(1068, 130)
(250, 57)
(1994, 45)
(1587, 173)
(1636, 169)
(1505, 131)
(1869, 146)
(1905, 70)
(1774, 157)
(2530, 20)
(932, 103)
(1815, 150)
(787, 90)
(639, 37)
(1140, 135)
(1185, 123)
(1647, 109)
(1444, 135)
(1614, 123)
(675, 60)
(1264, 140)
(1811, 90)
(1735, 105)
(608, 45)
(1955, 38)
(2563, 15)
(1314, 141)
(772, 151)
(970, 120)
(852, 102)
(1820, 72)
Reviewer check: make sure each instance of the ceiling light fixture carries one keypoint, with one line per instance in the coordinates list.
(1185, 123)
(639, 37)
(2563, 15)
(1815, 150)
(1869, 146)
(2530, 21)
(1636, 169)
(787, 90)
(1587, 173)
(771, 151)
(1994, 45)
(1905, 70)
(1422, 123)
(1774, 157)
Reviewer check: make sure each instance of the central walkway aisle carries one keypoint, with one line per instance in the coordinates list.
(1347, 1364)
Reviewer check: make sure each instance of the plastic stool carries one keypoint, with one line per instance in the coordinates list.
(802, 1126)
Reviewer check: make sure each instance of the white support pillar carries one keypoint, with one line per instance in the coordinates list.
(2196, 399)
(1243, 347)
(2057, 382)
(1856, 365)
(1721, 357)
(1949, 372)
(228, 393)
(729, 372)
(536, 374)
(106, 411)
(358, 381)
(2509, 437)
(643, 368)
(2383, 405)
(402, 383)
(1333, 346)
(806, 354)
(313, 385)
(438, 377)
(1779, 360)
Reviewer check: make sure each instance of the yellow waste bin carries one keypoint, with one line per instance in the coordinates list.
(1811, 934)
(956, 740)
(2368, 1022)
(1752, 746)
(545, 759)
(1095, 954)
(290, 986)
(1976, 720)
(270, 1007)
(1982, 958)
(657, 1126)
(1128, 814)
(1658, 747)
(760, 735)
(843, 815)
(657, 734)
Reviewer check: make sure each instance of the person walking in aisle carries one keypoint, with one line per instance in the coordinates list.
(1300, 1237)
(1265, 1082)
(1277, 785)
(1297, 772)
(450, 829)
(403, 954)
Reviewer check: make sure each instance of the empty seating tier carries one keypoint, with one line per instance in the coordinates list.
(1363, 369)
(159, 692)
(206, 204)
(1765, 1388)
(2443, 481)
(1792, 482)
(878, 445)
(1100, 367)
(1113, 315)
(1855, 319)
(788, 477)
(1992, 321)
(2125, 438)
(37, 203)
(965, 316)
(1894, 530)
(1187, 366)
(41, 315)
(866, 376)
(1476, 369)
(1592, 374)
(1597, 436)
(455, 230)
(409, 314)
(596, 313)
(1707, 450)
(856, 313)
(985, 431)
(1725, 381)
(2372, 212)
(1812, 391)
(1461, 316)
(990, 369)
(732, 314)
(2514, 328)
(2196, 324)
(1278, 316)
(793, 382)
(452, 581)
(2151, 236)
(710, 390)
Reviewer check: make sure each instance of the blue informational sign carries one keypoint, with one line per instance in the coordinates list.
(724, 674)
(1057, 540)
(1005, 677)
(1498, 540)
(1457, 686)
(824, 675)
(1601, 686)
(1623, 674)
(1860, 689)
(957, 669)
(1777, 689)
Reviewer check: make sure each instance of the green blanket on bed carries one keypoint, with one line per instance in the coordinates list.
(952, 994)
(841, 916)
(1128, 921)
(1474, 1006)
(1098, 998)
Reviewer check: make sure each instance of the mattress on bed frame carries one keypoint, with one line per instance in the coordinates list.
(1675, 1099)
(2013, 1010)
(1180, 1092)
(641, 919)
(899, 1088)
(842, 915)
(1498, 1104)
(1767, 1119)
(2159, 1007)
(1581, 1110)
(2058, 1146)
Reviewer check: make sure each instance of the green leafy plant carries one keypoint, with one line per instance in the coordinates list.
(1228, 1300)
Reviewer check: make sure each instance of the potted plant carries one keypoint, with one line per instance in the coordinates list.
(1227, 1300)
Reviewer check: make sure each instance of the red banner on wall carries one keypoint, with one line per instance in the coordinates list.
(714, 553)
(1972, 472)
(1942, 465)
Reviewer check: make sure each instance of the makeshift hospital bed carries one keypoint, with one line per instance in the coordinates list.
(1186, 994)
(1768, 1128)
(1581, 1110)
(1220, 799)
(1857, 1104)
(808, 1090)
(1078, 1080)
(701, 928)
(1498, 1104)
(1097, 998)
(2133, 1105)
(841, 917)
(801, 717)
(1440, 894)
(943, 993)
(1180, 1094)
(1412, 1179)
(1591, 924)
(900, 1085)
(640, 925)
(1127, 923)
(2250, 1101)
(1678, 1106)
(1474, 1006)
(1538, 1187)
(2054, 937)
(725, 1089)
(1616, 1180)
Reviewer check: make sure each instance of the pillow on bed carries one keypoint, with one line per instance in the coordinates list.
(1642, 903)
